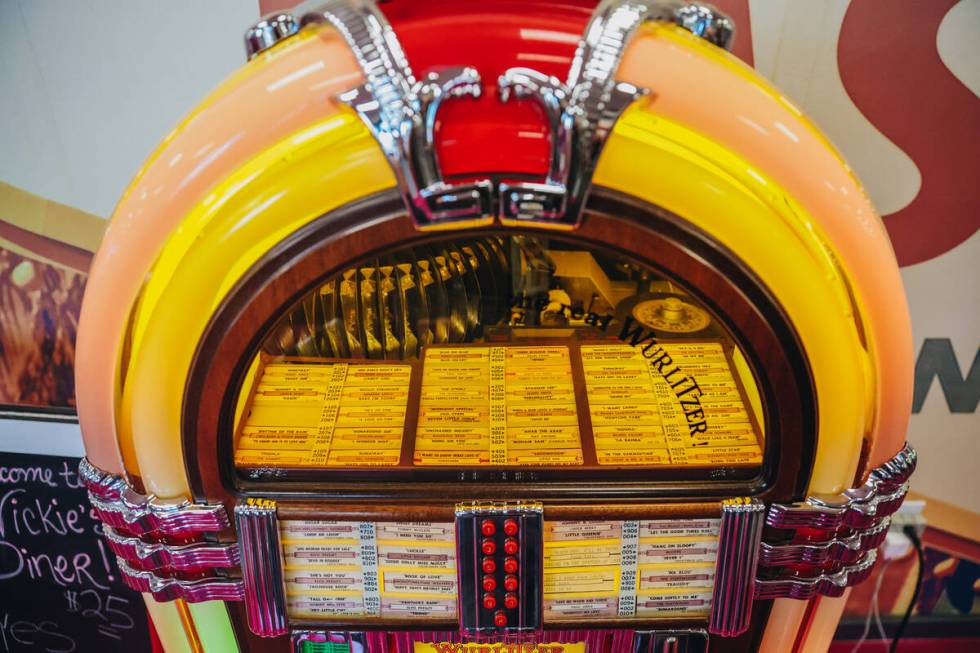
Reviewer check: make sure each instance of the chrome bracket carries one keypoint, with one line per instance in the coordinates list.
(262, 568)
(401, 113)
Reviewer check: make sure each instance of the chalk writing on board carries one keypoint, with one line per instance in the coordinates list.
(60, 586)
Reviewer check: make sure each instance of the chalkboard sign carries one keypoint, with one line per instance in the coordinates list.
(60, 589)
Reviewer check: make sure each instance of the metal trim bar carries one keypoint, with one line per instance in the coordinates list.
(192, 591)
(832, 585)
(118, 505)
(738, 550)
(847, 550)
(859, 508)
(183, 557)
(262, 568)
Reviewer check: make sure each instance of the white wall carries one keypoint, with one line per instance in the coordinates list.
(89, 87)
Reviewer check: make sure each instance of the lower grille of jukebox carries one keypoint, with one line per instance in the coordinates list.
(558, 641)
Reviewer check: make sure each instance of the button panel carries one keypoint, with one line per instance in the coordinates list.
(500, 564)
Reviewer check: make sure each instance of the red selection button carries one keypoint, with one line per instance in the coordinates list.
(510, 583)
(489, 546)
(510, 565)
(487, 527)
(489, 566)
(510, 546)
(511, 527)
(510, 601)
(489, 583)
(500, 618)
(489, 601)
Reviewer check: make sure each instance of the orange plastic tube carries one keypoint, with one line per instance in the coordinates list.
(707, 89)
(278, 93)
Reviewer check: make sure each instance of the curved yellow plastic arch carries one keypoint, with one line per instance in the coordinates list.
(710, 90)
(336, 162)
(298, 179)
(746, 211)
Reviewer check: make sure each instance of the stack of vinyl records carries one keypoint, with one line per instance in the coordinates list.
(389, 309)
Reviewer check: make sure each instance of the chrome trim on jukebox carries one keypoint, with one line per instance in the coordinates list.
(401, 112)
(582, 111)
(192, 591)
(262, 570)
(120, 506)
(846, 550)
(138, 514)
(269, 31)
(179, 557)
(497, 507)
(738, 550)
(707, 22)
(832, 585)
(670, 641)
(881, 495)
(101, 484)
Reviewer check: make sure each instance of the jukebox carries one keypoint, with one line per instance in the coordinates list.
(451, 327)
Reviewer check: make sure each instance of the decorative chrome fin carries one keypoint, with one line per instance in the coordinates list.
(860, 508)
(738, 550)
(832, 584)
(838, 547)
(170, 589)
(845, 550)
(262, 573)
(99, 483)
(582, 111)
(401, 113)
(138, 514)
(123, 508)
(137, 529)
(147, 556)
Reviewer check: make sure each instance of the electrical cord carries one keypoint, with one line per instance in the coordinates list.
(873, 611)
(914, 538)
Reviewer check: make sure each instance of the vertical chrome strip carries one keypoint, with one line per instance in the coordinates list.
(738, 555)
(262, 573)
